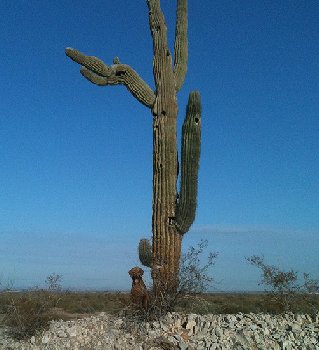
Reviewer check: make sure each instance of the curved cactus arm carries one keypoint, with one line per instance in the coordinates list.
(191, 139)
(90, 62)
(93, 77)
(181, 44)
(97, 72)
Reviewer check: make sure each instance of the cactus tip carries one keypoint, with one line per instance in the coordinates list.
(68, 50)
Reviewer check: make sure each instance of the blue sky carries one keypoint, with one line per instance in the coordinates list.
(76, 159)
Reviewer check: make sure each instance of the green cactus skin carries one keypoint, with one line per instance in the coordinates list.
(145, 252)
(99, 73)
(191, 140)
(171, 218)
(181, 44)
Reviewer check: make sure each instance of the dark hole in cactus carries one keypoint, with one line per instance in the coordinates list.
(168, 53)
(161, 166)
(163, 113)
(196, 120)
(119, 73)
(171, 221)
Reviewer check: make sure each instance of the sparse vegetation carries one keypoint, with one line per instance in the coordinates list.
(193, 279)
(75, 304)
(193, 276)
(53, 282)
(28, 312)
(283, 289)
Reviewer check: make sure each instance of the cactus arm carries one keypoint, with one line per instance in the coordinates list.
(191, 139)
(181, 44)
(100, 74)
(90, 62)
(93, 77)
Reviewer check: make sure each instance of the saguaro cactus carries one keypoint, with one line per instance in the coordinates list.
(173, 213)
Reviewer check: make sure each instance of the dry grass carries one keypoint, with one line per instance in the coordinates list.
(91, 302)
(26, 313)
(221, 303)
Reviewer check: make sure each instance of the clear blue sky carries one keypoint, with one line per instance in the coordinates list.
(76, 159)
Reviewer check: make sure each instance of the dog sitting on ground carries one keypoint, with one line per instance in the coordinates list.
(139, 292)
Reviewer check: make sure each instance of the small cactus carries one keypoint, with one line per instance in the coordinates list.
(145, 252)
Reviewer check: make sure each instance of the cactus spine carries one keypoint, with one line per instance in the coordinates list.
(173, 214)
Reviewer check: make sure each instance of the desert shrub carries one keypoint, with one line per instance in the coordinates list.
(28, 312)
(193, 277)
(310, 285)
(283, 288)
(53, 282)
(8, 286)
(193, 280)
(310, 290)
(280, 286)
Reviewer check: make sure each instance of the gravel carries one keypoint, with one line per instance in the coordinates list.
(176, 332)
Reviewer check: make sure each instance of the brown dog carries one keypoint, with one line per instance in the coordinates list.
(139, 292)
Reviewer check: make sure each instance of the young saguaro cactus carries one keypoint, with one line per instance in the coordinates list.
(173, 213)
(145, 252)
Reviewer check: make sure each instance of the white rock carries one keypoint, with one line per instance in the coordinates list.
(61, 334)
(45, 338)
(72, 332)
(218, 332)
(190, 324)
(253, 327)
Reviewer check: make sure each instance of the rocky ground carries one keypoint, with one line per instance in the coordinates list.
(177, 331)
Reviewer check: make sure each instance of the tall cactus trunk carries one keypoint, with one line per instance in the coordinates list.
(166, 240)
(172, 215)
